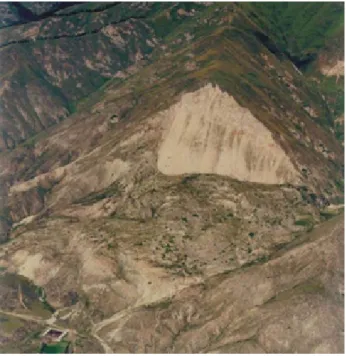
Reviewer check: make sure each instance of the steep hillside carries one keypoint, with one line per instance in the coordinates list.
(299, 30)
(172, 177)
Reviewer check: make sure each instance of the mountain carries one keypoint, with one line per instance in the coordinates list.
(172, 176)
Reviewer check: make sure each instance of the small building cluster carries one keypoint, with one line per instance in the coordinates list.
(53, 342)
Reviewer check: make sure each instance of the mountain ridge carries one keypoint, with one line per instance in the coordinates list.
(174, 183)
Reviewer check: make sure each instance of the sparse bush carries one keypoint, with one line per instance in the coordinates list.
(302, 222)
(189, 178)
(305, 223)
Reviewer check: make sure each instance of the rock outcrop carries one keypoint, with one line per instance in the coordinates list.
(207, 131)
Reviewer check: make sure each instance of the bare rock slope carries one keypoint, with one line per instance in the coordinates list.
(209, 132)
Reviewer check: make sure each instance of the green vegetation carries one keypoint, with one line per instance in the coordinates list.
(43, 191)
(189, 178)
(112, 190)
(333, 91)
(327, 214)
(165, 18)
(340, 184)
(33, 296)
(306, 222)
(9, 323)
(31, 141)
(168, 248)
(6, 216)
(302, 222)
(330, 213)
(58, 348)
(253, 78)
(37, 164)
(261, 259)
(298, 29)
(163, 304)
(310, 286)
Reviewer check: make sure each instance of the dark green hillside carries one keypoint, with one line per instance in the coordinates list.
(299, 29)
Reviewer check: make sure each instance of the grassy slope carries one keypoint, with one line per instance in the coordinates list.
(299, 29)
(302, 31)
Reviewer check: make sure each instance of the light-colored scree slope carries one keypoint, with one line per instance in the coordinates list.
(207, 131)
(334, 70)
